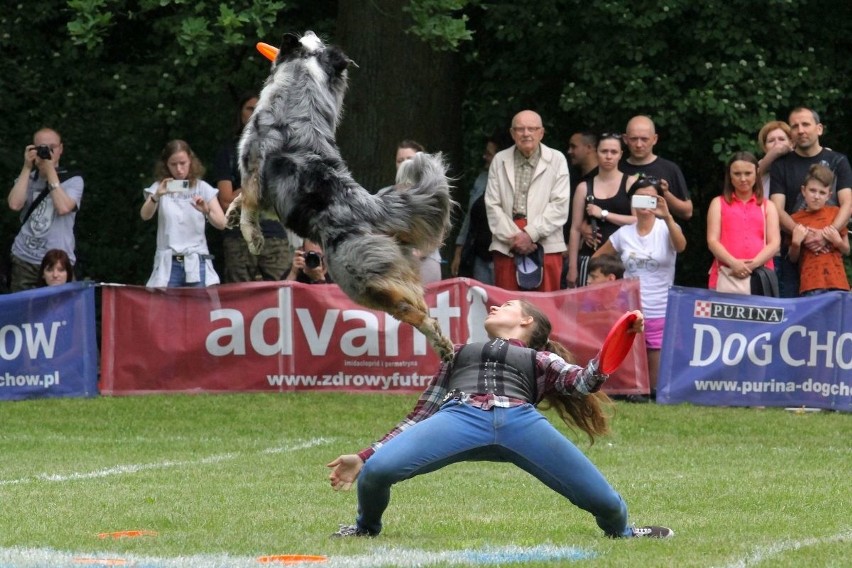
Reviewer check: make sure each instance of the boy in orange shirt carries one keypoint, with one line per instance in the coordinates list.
(821, 271)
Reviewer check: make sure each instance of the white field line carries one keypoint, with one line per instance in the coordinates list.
(136, 468)
(764, 553)
(19, 557)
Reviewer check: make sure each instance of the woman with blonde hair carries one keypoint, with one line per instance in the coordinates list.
(481, 407)
(775, 140)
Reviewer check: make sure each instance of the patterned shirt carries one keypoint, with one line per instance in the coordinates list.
(553, 375)
(524, 170)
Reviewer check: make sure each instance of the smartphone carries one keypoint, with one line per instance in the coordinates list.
(643, 202)
(176, 185)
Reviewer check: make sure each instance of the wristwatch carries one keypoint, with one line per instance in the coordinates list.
(52, 186)
(604, 213)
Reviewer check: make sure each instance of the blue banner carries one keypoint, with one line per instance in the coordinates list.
(732, 350)
(47, 342)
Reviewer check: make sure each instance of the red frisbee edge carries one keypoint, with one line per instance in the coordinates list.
(617, 344)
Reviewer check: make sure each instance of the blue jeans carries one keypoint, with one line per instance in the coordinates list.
(177, 277)
(520, 435)
(788, 276)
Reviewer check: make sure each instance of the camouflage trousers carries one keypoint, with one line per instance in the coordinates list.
(272, 263)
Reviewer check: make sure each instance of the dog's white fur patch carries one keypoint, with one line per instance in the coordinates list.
(311, 42)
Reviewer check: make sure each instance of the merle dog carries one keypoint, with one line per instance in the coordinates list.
(288, 155)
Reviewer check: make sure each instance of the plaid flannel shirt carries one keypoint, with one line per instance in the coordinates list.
(553, 374)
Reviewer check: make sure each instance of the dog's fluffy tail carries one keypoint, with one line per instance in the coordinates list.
(417, 209)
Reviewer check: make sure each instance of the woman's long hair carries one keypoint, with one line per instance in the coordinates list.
(583, 412)
(196, 168)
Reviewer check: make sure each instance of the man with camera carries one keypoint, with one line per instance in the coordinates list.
(309, 265)
(48, 198)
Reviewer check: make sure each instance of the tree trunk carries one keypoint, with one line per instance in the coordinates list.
(401, 89)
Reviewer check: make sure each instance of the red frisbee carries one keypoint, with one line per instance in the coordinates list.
(268, 51)
(291, 558)
(617, 344)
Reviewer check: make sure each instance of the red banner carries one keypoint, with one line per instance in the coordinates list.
(285, 336)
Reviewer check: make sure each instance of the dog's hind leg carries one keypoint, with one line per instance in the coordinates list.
(249, 212)
(406, 304)
(436, 338)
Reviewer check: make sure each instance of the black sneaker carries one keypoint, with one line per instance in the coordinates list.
(653, 532)
(351, 530)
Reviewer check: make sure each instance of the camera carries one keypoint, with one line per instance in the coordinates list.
(177, 185)
(643, 202)
(312, 259)
(44, 152)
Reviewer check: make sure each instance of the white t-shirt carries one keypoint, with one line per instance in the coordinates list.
(180, 230)
(651, 259)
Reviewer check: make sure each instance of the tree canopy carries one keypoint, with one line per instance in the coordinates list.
(119, 78)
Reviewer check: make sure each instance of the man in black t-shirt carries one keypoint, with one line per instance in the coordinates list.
(786, 177)
(640, 136)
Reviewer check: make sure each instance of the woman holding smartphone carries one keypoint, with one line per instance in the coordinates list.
(183, 203)
(649, 250)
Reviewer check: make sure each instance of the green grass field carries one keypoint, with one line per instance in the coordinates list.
(225, 479)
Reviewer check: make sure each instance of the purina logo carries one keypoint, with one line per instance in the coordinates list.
(720, 310)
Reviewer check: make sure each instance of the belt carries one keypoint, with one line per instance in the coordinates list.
(454, 394)
(178, 257)
(517, 216)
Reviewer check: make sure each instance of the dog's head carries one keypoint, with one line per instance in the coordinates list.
(306, 62)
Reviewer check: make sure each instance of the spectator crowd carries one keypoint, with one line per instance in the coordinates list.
(534, 220)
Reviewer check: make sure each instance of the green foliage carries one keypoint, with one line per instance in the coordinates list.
(120, 78)
(244, 475)
(440, 22)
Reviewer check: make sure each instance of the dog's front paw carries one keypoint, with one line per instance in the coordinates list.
(233, 213)
(255, 243)
(232, 218)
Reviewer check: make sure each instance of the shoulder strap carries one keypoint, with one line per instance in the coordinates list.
(39, 198)
(65, 175)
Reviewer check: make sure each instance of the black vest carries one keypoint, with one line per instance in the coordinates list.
(496, 367)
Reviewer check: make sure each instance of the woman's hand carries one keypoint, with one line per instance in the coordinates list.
(345, 471)
(590, 237)
(662, 210)
(741, 268)
(638, 325)
(572, 275)
(594, 211)
(201, 205)
(162, 188)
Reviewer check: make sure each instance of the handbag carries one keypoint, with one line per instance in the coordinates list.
(764, 282)
(730, 284)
